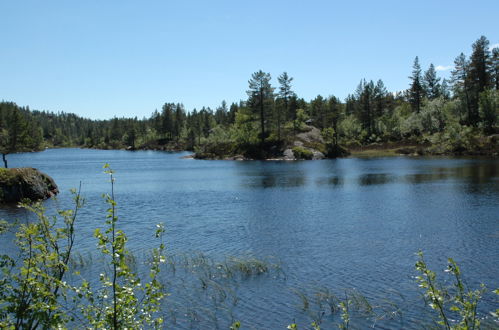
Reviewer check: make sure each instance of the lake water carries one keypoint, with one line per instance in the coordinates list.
(330, 224)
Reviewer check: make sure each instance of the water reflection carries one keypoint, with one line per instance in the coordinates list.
(272, 181)
(268, 175)
(375, 179)
(333, 181)
(473, 173)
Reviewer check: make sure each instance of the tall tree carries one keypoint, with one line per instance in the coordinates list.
(221, 116)
(461, 86)
(495, 67)
(334, 113)
(479, 75)
(480, 65)
(380, 98)
(261, 95)
(365, 105)
(416, 91)
(179, 119)
(284, 95)
(167, 120)
(431, 83)
(318, 111)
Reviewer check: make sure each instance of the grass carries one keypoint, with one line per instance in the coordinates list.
(368, 153)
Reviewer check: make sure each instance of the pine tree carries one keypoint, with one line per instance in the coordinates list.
(461, 84)
(480, 61)
(261, 95)
(431, 83)
(284, 96)
(380, 94)
(495, 67)
(365, 105)
(166, 126)
(178, 123)
(334, 113)
(416, 90)
(221, 116)
(318, 111)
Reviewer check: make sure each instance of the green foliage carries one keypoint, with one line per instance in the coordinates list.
(345, 315)
(432, 115)
(489, 109)
(302, 153)
(35, 293)
(18, 132)
(122, 301)
(351, 130)
(328, 135)
(33, 285)
(7, 176)
(454, 139)
(463, 300)
(299, 123)
(236, 325)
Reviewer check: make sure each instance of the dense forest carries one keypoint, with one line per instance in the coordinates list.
(441, 116)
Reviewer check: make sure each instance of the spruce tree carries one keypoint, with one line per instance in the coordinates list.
(431, 83)
(461, 85)
(416, 90)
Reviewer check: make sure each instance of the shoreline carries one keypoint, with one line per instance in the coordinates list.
(366, 151)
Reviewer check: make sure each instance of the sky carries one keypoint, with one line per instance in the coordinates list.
(101, 59)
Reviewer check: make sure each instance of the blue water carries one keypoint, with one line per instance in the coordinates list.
(340, 224)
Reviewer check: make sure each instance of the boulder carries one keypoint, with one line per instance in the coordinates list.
(19, 183)
(288, 155)
(317, 155)
(312, 136)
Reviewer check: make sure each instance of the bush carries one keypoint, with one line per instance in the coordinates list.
(351, 130)
(34, 292)
(218, 150)
(302, 153)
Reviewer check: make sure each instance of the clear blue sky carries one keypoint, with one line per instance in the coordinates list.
(101, 59)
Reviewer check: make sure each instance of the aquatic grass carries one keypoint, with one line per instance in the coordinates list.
(305, 303)
(340, 309)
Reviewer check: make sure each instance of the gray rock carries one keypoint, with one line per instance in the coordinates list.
(288, 155)
(313, 135)
(318, 155)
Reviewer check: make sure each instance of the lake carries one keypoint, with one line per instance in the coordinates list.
(331, 225)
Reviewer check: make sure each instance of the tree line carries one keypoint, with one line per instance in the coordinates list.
(450, 113)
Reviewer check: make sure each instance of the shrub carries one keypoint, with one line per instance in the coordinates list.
(35, 293)
(463, 300)
(302, 153)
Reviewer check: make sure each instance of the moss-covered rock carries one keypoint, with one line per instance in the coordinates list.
(19, 183)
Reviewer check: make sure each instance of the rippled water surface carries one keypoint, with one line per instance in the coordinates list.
(337, 224)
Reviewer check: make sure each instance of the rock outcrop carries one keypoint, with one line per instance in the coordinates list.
(19, 183)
